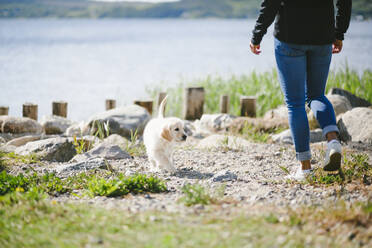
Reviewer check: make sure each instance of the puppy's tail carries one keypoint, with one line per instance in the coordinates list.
(162, 107)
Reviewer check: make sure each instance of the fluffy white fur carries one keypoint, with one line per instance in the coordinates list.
(159, 136)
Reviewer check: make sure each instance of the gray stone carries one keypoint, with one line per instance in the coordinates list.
(103, 150)
(217, 141)
(91, 164)
(19, 125)
(285, 137)
(52, 149)
(2, 140)
(340, 105)
(279, 112)
(356, 125)
(354, 100)
(123, 120)
(55, 124)
(23, 140)
(77, 129)
(224, 176)
(115, 139)
(216, 122)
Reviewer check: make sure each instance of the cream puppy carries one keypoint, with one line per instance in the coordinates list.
(159, 136)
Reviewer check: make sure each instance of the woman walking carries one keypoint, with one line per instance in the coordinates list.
(306, 34)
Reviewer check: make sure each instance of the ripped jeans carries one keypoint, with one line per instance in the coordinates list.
(303, 72)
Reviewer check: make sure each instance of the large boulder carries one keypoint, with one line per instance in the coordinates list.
(354, 100)
(356, 125)
(123, 120)
(239, 124)
(77, 129)
(19, 125)
(69, 169)
(285, 137)
(103, 150)
(209, 124)
(55, 124)
(20, 141)
(115, 139)
(340, 105)
(219, 141)
(52, 149)
(281, 112)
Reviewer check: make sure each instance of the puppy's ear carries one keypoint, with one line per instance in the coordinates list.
(165, 134)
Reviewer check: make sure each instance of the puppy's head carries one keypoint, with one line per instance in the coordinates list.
(174, 130)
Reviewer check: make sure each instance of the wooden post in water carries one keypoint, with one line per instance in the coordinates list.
(59, 109)
(4, 110)
(248, 106)
(146, 104)
(30, 111)
(161, 97)
(193, 103)
(110, 104)
(224, 104)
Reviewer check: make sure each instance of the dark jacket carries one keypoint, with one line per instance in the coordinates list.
(310, 22)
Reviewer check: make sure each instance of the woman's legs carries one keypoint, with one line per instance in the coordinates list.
(318, 62)
(292, 65)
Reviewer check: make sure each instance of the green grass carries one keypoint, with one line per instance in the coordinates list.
(355, 168)
(264, 86)
(196, 194)
(90, 184)
(30, 222)
(8, 159)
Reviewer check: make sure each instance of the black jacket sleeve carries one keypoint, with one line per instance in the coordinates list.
(268, 11)
(342, 18)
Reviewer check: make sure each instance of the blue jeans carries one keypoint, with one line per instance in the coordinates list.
(303, 72)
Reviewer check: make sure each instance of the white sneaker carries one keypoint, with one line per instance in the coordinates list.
(300, 174)
(332, 160)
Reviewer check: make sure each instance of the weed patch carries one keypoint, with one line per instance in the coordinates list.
(123, 185)
(197, 194)
(9, 159)
(355, 167)
(93, 185)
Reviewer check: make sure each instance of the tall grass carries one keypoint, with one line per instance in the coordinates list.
(264, 86)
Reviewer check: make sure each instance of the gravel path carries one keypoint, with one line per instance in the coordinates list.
(251, 176)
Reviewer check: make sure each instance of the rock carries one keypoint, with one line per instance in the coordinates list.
(216, 122)
(123, 120)
(23, 140)
(285, 137)
(2, 140)
(103, 150)
(52, 149)
(224, 176)
(280, 112)
(356, 125)
(259, 124)
(353, 99)
(7, 148)
(55, 124)
(77, 129)
(115, 139)
(19, 125)
(223, 141)
(340, 105)
(91, 164)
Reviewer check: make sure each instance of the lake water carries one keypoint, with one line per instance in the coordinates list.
(85, 62)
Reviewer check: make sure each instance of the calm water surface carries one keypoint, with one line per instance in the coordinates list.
(85, 62)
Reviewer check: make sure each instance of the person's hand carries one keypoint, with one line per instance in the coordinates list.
(255, 49)
(337, 46)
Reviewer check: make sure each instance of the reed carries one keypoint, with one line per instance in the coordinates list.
(264, 86)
